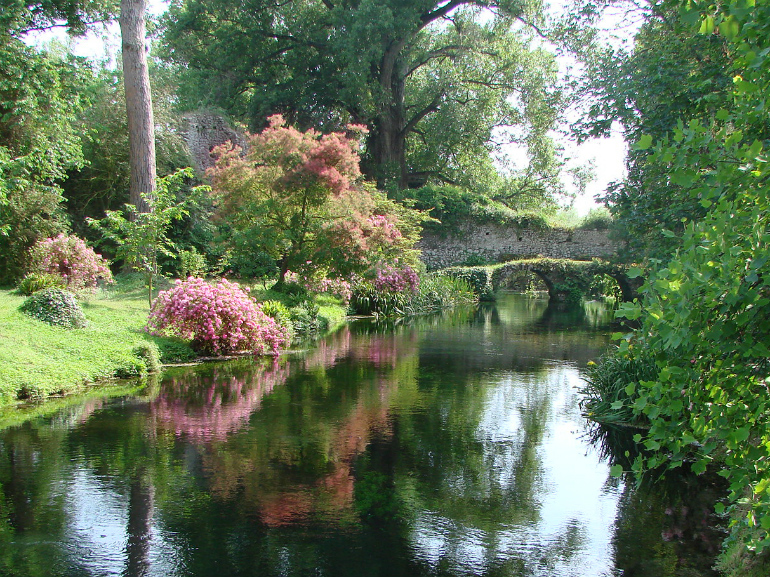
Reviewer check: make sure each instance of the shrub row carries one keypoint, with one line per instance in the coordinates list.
(435, 292)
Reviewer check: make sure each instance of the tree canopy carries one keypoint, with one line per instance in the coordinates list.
(436, 83)
(670, 76)
(19, 17)
(703, 318)
(40, 97)
(297, 197)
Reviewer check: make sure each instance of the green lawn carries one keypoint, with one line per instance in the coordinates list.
(38, 360)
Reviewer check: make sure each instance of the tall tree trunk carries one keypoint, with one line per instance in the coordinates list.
(136, 78)
(390, 150)
(389, 134)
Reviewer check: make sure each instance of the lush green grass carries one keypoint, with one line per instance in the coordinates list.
(331, 309)
(38, 360)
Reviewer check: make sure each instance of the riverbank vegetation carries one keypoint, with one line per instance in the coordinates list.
(372, 122)
(569, 281)
(38, 359)
(695, 205)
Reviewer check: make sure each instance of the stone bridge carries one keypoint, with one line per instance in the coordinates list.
(477, 242)
(565, 279)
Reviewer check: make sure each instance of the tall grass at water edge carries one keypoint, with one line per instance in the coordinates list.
(435, 293)
(611, 385)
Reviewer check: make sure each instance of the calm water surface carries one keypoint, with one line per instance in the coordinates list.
(449, 446)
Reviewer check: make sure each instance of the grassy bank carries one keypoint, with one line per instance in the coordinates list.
(38, 360)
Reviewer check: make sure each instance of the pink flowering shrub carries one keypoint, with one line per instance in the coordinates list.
(70, 258)
(218, 319)
(382, 231)
(397, 280)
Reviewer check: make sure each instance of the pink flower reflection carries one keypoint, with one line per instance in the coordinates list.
(209, 408)
(386, 350)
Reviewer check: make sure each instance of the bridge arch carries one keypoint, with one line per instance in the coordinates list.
(561, 276)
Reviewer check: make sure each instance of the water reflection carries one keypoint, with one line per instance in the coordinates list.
(448, 445)
(673, 513)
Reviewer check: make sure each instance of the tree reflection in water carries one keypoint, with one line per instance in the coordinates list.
(443, 446)
(672, 514)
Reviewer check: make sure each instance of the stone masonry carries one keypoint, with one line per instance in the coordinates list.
(203, 132)
(497, 243)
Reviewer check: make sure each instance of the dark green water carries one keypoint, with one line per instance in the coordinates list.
(450, 446)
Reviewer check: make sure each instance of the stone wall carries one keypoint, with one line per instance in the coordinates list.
(495, 243)
(203, 132)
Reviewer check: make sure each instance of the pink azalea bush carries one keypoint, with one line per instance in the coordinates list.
(70, 258)
(396, 279)
(218, 319)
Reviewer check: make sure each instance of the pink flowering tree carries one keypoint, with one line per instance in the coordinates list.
(218, 319)
(70, 258)
(299, 196)
(373, 230)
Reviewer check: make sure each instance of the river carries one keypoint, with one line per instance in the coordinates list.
(445, 446)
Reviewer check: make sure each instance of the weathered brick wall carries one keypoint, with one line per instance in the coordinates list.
(203, 132)
(495, 243)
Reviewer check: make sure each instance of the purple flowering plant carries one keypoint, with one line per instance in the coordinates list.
(396, 279)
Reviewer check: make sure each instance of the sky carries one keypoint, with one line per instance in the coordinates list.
(606, 154)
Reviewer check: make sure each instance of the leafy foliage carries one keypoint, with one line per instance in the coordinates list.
(192, 263)
(149, 353)
(438, 292)
(612, 386)
(218, 319)
(40, 96)
(102, 182)
(433, 81)
(142, 236)
(281, 314)
(435, 292)
(704, 313)
(704, 316)
(29, 213)
(34, 282)
(368, 300)
(294, 196)
(597, 219)
(22, 16)
(671, 76)
(453, 205)
(306, 319)
(56, 307)
(479, 278)
(71, 259)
